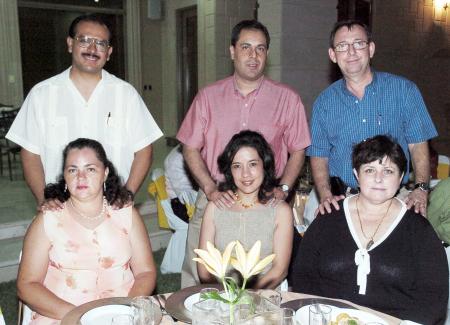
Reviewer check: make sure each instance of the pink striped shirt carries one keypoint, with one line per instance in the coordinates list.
(219, 111)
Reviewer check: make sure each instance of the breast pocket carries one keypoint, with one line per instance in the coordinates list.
(114, 132)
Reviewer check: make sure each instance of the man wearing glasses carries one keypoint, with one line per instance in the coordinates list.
(84, 101)
(362, 104)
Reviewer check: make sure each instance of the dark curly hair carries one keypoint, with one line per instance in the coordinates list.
(256, 141)
(115, 192)
(376, 148)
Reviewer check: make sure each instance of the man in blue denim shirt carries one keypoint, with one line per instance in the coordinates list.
(362, 104)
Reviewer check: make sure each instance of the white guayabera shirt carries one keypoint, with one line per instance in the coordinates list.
(55, 113)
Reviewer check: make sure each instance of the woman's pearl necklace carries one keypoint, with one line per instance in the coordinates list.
(102, 212)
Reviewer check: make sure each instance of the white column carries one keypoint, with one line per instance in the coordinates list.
(133, 44)
(11, 88)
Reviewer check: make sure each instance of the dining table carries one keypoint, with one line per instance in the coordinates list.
(170, 310)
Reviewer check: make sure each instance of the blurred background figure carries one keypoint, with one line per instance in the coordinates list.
(179, 184)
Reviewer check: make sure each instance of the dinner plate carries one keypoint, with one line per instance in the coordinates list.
(302, 315)
(192, 299)
(175, 303)
(299, 303)
(103, 315)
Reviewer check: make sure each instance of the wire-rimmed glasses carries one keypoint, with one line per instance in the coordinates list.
(344, 46)
(85, 42)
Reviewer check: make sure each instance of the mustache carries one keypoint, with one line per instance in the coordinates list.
(91, 55)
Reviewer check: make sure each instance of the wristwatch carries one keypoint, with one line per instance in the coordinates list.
(285, 188)
(423, 186)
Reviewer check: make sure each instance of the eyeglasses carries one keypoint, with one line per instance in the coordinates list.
(357, 45)
(85, 42)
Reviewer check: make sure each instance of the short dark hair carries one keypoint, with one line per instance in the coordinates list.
(249, 24)
(115, 193)
(349, 24)
(376, 148)
(256, 141)
(92, 18)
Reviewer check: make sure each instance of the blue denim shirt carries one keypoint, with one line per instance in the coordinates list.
(391, 105)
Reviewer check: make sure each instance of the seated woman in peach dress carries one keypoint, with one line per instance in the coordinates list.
(86, 250)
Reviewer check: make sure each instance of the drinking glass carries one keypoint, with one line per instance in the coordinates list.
(122, 320)
(143, 310)
(204, 312)
(274, 296)
(319, 314)
(288, 316)
(205, 291)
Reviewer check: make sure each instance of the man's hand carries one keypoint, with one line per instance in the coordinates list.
(50, 205)
(417, 198)
(328, 201)
(278, 195)
(222, 200)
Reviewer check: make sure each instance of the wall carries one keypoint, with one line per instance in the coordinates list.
(216, 18)
(151, 75)
(168, 38)
(299, 32)
(11, 88)
(413, 40)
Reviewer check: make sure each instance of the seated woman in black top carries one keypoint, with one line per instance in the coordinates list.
(373, 251)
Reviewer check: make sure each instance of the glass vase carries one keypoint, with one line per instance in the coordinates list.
(250, 305)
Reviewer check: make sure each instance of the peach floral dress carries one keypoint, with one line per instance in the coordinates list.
(87, 264)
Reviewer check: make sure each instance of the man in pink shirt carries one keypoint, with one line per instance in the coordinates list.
(245, 100)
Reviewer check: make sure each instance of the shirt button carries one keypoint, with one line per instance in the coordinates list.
(244, 124)
(356, 101)
(364, 120)
(246, 105)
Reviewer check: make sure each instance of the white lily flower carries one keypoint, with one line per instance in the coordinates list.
(249, 264)
(213, 260)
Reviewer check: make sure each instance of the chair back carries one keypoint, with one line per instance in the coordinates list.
(157, 189)
(24, 312)
(443, 169)
(6, 120)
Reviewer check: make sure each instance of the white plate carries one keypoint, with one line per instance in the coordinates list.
(103, 315)
(192, 299)
(302, 315)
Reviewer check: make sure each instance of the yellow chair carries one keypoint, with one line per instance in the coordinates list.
(443, 168)
(157, 189)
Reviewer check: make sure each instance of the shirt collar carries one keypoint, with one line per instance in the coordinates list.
(256, 91)
(372, 85)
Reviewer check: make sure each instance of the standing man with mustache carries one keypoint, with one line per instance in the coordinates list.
(245, 100)
(84, 101)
